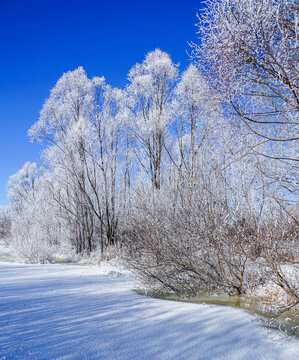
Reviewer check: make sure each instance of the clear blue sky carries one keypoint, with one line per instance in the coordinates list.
(41, 39)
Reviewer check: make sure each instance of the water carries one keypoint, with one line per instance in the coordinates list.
(269, 316)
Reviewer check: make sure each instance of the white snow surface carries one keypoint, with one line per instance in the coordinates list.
(79, 312)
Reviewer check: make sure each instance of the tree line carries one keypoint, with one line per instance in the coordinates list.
(191, 177)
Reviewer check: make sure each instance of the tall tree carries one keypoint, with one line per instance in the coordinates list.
(150, 90)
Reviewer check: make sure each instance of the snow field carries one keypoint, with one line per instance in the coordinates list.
(75, 312)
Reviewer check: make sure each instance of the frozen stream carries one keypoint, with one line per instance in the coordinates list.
(75, 312)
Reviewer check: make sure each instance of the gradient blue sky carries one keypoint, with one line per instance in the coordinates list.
(41, 39)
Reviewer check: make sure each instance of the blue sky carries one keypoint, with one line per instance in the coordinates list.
(41, 39)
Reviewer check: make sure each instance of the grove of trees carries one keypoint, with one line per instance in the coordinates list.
(190, 177)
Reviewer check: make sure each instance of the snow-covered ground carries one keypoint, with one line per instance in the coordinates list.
(76, 312)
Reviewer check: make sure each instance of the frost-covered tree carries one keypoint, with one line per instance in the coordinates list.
(5, 221)
(150, 91)
(249, 50)
(30, 212)
(62, 123)
(82, 122)
(107, 119)
(193, 111)
(69, 101)
(21, 184)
